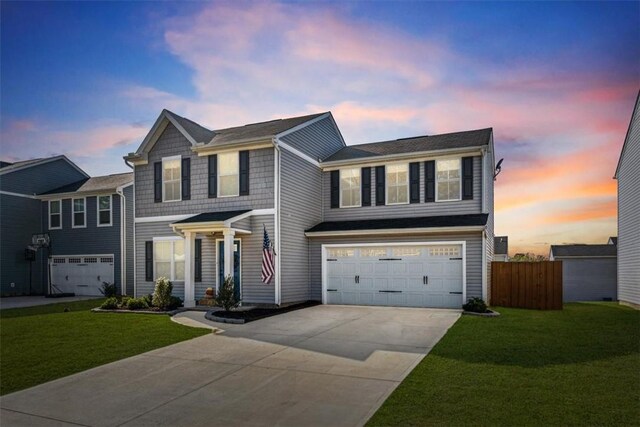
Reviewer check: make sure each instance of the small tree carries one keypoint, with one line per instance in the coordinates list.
(528, 257)
(162, 293)
(226, 296)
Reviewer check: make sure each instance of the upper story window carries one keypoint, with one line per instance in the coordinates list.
(349, 188)
(79, 218)
(55, 214)
(228, 174)
(171, 180)
(397, 180)
(168, 258)
(104, 211)
(448, 180)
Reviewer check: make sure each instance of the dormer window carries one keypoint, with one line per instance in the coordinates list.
(350, 188)
(397, 180)
(171, 180)
(448, 180)
(228, 174)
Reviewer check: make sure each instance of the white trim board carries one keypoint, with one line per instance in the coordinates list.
(324, 247)
(393, 231)
(26, 196)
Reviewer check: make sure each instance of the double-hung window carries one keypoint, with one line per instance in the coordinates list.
(397, 180)
(79, 214)
(168, 259)
(55, 214)
(105, 215)
(350, 188)
(171, 179)
(448, 180)
(228, 174)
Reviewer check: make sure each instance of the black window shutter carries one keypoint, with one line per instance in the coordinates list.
(148, 261)
(467, 178)
(157, 182)
(414, 182)
(380, 185)
(335, 189)
(244, 173)
(365, 176)
(198, 260)
(213, 175)
(186, 178)
(430, 181)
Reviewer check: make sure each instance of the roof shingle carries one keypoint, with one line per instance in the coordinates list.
(395, 223)
(94, 184)
(584, 251)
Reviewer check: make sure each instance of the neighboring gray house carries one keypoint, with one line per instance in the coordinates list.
(501, 245)
(628, 176)
(588, 271)
(91, 234)
(407, 222)
(21, 217)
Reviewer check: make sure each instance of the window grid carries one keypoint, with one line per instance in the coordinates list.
(340, 252)
(445, 251)
(405, 251)
(104, 210)
(448, 180)
(350, 188)
(229, 174)
(397, 183)
(55, 214)
(168, 259)
(373, 252)
(79, 213)
(171, 179)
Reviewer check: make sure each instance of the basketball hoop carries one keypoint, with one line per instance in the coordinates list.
(41, 240)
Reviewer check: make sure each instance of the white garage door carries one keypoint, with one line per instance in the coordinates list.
(409, 276)
(81, 274)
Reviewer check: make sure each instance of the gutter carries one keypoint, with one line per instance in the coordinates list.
(276, 217)
(123, 246)
(391, 231)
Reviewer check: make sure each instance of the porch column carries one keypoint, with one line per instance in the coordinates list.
(189, 269)
(229, 234)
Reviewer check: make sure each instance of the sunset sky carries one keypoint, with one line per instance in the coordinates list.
(556, 81)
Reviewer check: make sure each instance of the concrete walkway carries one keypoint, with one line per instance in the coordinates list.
(22, 302)
(321, 366)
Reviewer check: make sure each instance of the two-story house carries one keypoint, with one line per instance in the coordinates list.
(405, 223)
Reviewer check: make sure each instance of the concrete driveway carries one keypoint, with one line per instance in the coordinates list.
(321, 366)
(22, 302)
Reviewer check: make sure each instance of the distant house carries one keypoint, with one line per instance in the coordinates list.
(501, 248)
(82, 218)
(628, 176)
(613, 240)
(588, 271)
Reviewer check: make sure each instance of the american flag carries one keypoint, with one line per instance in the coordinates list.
(268, 268)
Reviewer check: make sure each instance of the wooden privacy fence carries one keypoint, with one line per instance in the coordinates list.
(536, 285)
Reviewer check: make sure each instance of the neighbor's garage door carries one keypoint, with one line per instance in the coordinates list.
(411, 276)
(82, 274)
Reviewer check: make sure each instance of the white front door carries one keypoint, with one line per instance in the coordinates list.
(395, 275)
(82, 274)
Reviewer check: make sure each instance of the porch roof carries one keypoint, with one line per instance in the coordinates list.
(212, 222)
(212, 217)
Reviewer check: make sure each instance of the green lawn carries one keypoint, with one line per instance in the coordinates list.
(579, 366)
(39, 344)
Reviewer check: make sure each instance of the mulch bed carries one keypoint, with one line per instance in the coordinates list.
(261, 313)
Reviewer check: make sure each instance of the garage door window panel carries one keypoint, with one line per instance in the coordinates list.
(406, 251)
(448, 178)
(350, 191)
(79, 213)
(397, 179)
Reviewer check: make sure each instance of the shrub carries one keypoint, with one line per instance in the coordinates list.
(226, 297)
(148, 299)
(109, 290)
(124, 301)
(110, 304)
(475, 305)
(174, 302)
(162, 293)
(137, 304)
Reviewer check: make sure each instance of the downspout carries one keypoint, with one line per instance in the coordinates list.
(276, 219)
(123, 246)
(133, 220)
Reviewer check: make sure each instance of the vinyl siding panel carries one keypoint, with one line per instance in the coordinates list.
(487, 176)
(408, 210)
(19, 219)
(317, 140)
(592, 279)
(629, 216)
(89, 240)
(300, 210)
(41, 178)
(253, 290)
(173, 143)
(473, 261)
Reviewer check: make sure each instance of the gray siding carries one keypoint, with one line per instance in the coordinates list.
(318, 140)
(129, 249)
(409, 210)
(592, 279)
(629, 215)
(173, 143)
(89, 240)
(301, 209)
(474, 256)
(20, 218)
(487, 176)
(253, 290)
(41, 178)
